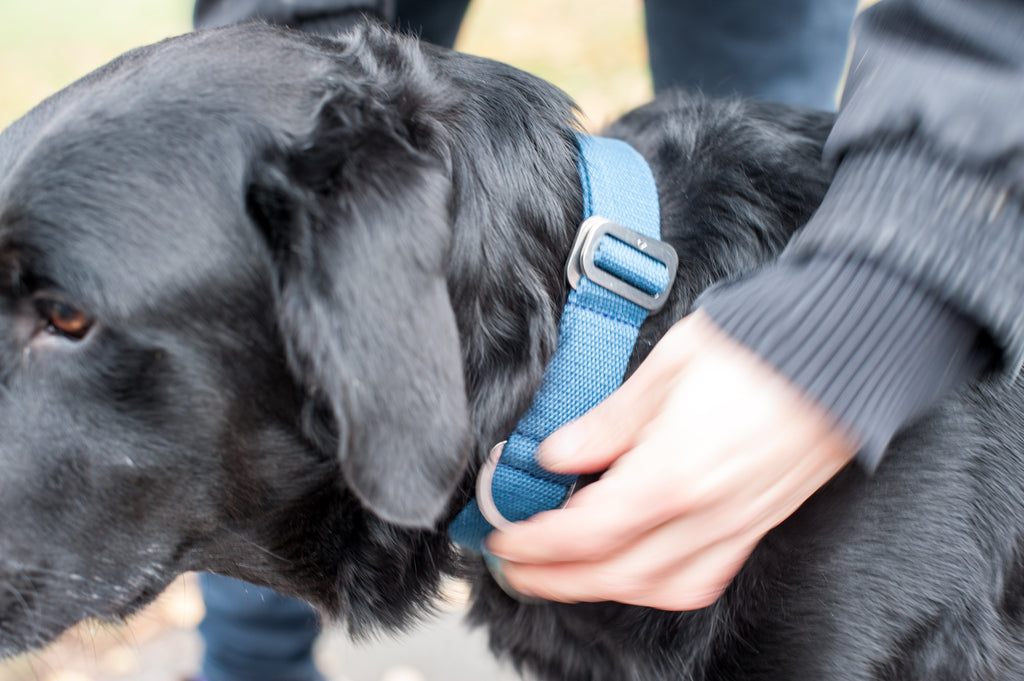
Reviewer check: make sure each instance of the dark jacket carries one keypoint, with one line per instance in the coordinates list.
(910, 277)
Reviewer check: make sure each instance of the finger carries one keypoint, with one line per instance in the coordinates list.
(592, 442)
(720, 486)
(699, 581)
(686, 582)
(647, 486)
(687, 562)
(712, 547)
(599, 520)
(641, 557)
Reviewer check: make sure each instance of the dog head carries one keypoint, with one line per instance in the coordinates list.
(224, 306)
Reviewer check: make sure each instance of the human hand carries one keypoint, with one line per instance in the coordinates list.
(706, 448)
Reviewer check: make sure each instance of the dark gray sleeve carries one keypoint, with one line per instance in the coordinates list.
(929, 146)
(909, 279)
(946, 72)
(876, 351)
(318, 16)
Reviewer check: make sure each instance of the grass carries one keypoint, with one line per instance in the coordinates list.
(598, 56)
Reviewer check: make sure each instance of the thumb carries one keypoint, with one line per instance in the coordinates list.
(591, 443)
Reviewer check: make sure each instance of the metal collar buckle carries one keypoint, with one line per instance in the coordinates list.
(485, 496)
(581, 261)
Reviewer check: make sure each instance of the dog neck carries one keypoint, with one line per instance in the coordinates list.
(618, 275)
(516, 205)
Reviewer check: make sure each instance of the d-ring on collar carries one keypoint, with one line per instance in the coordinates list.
(619, 271)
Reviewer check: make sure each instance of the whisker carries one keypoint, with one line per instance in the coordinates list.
(261, 548)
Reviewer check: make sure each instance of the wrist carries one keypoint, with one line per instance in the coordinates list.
(868, 347)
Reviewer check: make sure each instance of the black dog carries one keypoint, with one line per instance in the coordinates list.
(268, 299)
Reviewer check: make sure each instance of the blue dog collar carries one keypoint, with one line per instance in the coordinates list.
(619, 272)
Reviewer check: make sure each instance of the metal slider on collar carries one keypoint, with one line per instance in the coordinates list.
(582, 262)
(485, 493)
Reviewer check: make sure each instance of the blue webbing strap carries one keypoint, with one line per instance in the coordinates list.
(596, 335)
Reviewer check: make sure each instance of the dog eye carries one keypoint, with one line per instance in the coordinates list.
(64, 320)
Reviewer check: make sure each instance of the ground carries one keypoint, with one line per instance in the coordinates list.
(161, 644)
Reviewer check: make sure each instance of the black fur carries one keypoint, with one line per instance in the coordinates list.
(326, 277)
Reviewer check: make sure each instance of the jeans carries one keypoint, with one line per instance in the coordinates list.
(255, 634)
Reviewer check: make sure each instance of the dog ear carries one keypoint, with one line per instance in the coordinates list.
(358, 222)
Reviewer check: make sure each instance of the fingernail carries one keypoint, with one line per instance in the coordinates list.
(561, 446)
(498, 555)
(496, 566)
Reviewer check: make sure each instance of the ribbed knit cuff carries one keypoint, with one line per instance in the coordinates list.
(956, 231)
(872, 349)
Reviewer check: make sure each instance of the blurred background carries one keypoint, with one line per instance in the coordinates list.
(601, 59)
(598, 56)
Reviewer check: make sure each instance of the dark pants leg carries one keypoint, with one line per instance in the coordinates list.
(255, 634)
(790, 51)
(436, 21)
